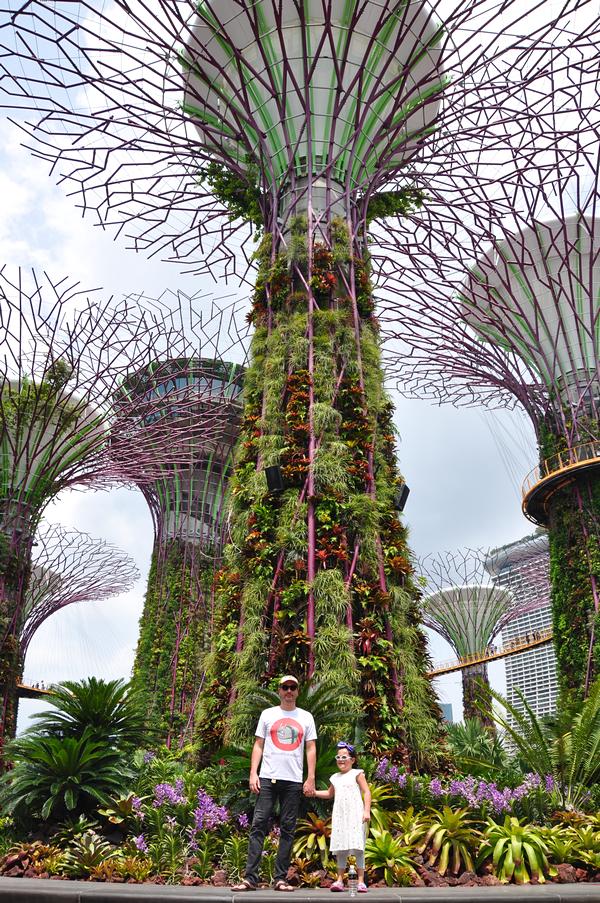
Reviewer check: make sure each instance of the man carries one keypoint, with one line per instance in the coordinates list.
(282, 735)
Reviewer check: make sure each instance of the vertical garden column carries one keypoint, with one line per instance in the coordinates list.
(574, 539)
(319, 575)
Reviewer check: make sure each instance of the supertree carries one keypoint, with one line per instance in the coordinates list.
(67, 567)
(64, 358)
(188, 510)
(505, 308)
(296, 117)
(468, 611)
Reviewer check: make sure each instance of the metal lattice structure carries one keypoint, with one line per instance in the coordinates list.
(505, 308)
(64, 361)
(366, 87)
(70, 567)
(311, 121)
(468, 612)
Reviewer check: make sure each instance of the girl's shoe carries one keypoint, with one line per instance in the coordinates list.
(337, 886)
(361, 888)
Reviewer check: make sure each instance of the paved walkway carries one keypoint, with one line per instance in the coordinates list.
(24, 890)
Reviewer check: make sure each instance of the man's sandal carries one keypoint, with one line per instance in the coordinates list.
(244, 885)
(282, 885)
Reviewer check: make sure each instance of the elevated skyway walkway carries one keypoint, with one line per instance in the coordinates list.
(493, 652)
(32, 691)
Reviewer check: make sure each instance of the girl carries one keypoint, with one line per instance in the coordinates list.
(351, 812)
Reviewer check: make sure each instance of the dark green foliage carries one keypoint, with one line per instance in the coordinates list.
(474, 750)
(104, 711)
(240, 195)
(54, 776)
(172, 640)
(574, 514)
(58, 375)
(566, 746)
(395, 203)
(367, 646)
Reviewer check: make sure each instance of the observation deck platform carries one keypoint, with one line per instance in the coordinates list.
(493, 652)
(554, 474)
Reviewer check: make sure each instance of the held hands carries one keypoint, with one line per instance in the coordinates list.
(309, 787)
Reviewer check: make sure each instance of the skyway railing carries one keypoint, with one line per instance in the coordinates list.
(493, 652)
(32, 691)
(587, 453)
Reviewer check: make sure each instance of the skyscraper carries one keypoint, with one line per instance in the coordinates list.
(523, 568)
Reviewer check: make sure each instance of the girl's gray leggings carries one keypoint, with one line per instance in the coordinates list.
(342, 857)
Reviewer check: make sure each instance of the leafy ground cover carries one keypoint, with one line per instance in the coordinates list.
(84, 801)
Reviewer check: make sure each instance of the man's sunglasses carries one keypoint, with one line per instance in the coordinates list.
(289, 687)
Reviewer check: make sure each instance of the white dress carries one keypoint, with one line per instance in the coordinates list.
(348, 832)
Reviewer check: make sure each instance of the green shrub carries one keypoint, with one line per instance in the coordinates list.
(518, 852)
(382, 851)
(452, 839)
(107, 710)
(52, 777)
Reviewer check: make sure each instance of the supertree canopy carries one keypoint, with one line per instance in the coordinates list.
(63, 361)
(468, 611)
(68, 567)
(181, 123)
(308, 121)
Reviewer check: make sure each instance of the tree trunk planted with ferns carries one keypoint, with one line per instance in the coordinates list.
(318, 578)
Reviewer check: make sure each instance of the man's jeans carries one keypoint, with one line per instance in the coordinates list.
(289, 794)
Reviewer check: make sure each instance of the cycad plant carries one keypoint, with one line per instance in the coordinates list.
(565, 746)
(518, 852)
(474, 749)
(105, 709)
(53, 777)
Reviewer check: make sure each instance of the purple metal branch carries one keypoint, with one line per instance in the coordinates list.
(133, 156)
(69, 567)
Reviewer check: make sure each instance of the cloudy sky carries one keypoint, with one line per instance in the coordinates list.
(464, 467)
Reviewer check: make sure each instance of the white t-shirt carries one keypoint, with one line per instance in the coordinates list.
(285, 734)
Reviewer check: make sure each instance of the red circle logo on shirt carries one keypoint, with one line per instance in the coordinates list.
(287, 734)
